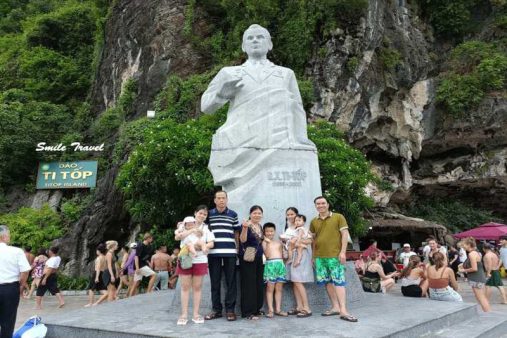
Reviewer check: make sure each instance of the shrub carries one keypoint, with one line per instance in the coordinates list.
(450, 18)
(454, 214)
(390, 58)
(344, 172)
(172, 159)
(68, 283)
(459, 93)
(352, 64)
(112, 118)
(32, 227)
(51, 76)
(23, 125)
(179, 99)
(69, 30)
(475, 67)
(296, 26)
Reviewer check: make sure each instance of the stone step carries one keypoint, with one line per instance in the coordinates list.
(152, 315)
(317, 296)
(483, 325)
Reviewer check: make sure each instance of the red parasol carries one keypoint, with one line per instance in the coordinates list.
(488, 231)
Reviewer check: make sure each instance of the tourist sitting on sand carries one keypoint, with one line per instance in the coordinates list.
(412, 280)
(374, 270)
(439, 277)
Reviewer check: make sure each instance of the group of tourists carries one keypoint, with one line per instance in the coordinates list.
(214, 240)
(43, 275)
(435, 274)
(15, 268)
(109, 275)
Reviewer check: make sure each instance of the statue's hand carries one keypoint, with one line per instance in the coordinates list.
(230, 88)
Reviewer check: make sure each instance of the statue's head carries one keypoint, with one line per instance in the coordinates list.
(256, 41)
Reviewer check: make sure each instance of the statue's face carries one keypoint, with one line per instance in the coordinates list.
(256, 42)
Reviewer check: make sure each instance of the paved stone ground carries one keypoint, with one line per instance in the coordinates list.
(50, 310)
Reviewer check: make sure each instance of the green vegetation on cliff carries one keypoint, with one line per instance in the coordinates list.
(476, 68)
(454, 214)
(47, 51)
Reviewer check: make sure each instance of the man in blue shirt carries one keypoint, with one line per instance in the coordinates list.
(223, 222)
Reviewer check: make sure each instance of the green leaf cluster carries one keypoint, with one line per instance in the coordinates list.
(23, 124)
(171, 158)
(449, 18)
(454, 214)
(47, 49)
(475, 68)
(344, 174)
(70, 283)
(296, 26)
(390, 58)
(33, 227)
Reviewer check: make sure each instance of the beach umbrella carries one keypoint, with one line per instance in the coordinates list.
(488, 231)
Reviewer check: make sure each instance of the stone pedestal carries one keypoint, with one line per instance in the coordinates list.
(285, 178)
(317, 296)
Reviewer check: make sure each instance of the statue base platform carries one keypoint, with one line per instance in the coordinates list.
(380, 315)
(285, 178)
(317, 296)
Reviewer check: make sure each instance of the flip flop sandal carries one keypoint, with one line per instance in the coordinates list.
(182, 321)
(349, 318)
(252, 317)
(281, 314)
(303, 314)
(328, 313)
(269, 314)
(198, 320)
(293, 312)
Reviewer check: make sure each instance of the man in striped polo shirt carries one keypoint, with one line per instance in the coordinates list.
(223, 222)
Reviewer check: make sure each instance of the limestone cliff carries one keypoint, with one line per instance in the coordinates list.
(144, 41)
(390, 113)
(387, 108)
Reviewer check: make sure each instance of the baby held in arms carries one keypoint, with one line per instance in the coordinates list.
(194, 240)
(297, 241)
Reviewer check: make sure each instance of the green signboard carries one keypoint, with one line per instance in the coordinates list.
(67, 175)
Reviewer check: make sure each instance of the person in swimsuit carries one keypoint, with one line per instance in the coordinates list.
(474, 269)
(412, 280)
(439, 277)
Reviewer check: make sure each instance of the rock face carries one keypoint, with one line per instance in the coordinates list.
(144, 41)
(389, 112)
(376, 80)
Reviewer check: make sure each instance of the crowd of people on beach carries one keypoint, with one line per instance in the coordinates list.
(435, 272)
(214, 241)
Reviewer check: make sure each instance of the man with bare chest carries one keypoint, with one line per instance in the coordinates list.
(161, 264)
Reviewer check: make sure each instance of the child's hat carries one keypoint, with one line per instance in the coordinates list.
(189, 219)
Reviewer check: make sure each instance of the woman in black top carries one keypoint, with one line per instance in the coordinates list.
(374, 270)
(252, 283)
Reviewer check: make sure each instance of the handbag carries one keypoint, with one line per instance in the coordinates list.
(185, 261)
(371, 284)
(251, 251)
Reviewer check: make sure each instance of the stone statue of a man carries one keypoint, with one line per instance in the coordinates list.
(264, 143)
